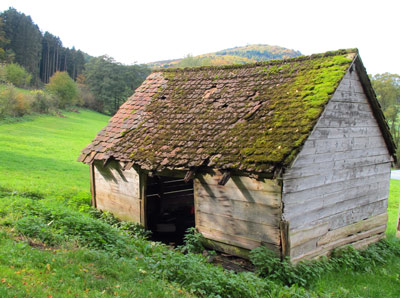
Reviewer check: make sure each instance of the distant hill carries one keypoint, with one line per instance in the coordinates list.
(237, 55)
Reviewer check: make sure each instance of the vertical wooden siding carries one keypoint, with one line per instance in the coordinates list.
(118, 191)
(244, 212)
(339, 179)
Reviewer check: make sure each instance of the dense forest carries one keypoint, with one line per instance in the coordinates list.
(40, 54)
(30, 58)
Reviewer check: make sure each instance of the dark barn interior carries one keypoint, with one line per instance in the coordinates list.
(169, 208)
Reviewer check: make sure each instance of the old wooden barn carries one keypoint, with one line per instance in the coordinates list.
(291, 154)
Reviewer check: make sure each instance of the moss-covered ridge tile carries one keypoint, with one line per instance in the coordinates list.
(249, 118)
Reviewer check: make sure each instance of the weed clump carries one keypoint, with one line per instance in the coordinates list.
(269, 265)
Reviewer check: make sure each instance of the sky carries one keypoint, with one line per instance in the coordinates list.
(152, 30)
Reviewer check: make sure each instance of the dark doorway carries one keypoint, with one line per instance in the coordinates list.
(169, 208)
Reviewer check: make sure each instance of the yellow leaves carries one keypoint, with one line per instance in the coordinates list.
(48, 267)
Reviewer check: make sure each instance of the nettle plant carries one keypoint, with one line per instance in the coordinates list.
(268, 264)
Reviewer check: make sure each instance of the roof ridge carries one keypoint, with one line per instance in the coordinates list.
(260, 63)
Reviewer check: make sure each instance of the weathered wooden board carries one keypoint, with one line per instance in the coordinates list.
(240, 228)
(335, 203)
(304, 249)
(330, 175)
(118, 191)
(242, 182)
(227, 248)
(247, 211)
(310, 233)
(264, 198)
(239, 241)
(332, 122)
(345, 132)
(341, 216)
(307, 158)
(305, 196)
(349, 96)
(336, 165)
(360, 226)
(344, 144)
(313, 238)
(244, 212)
(326, 250)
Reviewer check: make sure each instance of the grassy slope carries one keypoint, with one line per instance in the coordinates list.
(383, 281)
(40, 155)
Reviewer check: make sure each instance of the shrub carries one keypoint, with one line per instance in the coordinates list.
(193, 241)
(14, 103)
(133, 229)
(17, 75)
(268, 264)
(89, 100)
(3, 75)
(64, 89)
(42, 102)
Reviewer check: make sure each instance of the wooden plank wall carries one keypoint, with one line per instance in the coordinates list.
(118, 191)
(244, 212)
(339, 183)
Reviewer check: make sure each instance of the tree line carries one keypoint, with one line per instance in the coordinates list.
(387, 89)
(40, 54)
(104, 84)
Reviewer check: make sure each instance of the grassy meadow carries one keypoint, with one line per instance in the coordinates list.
(40, 156)
(52, 244)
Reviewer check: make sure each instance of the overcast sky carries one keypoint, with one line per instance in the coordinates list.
(146, 31)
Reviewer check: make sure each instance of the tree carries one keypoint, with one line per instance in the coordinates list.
(111, 82)
(17, 75)
(190, 61)
(25, 40)
(387, 89)
(6, 55)
(64, 88)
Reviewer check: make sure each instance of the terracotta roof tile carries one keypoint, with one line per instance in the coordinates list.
(251, 118)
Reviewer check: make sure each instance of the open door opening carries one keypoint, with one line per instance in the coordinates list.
(169, 208)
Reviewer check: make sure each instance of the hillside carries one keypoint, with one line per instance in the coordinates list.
(52, 244)
(237, 55)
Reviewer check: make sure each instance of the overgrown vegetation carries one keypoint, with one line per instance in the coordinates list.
(268, 264)
(53, 243)
(59, 223)
(30, 59)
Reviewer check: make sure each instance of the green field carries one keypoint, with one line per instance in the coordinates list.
(40, 156)
(50, 245)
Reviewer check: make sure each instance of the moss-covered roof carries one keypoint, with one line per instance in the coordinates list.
(250, 118)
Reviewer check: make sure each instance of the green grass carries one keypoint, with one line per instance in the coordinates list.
(39, 169)
(40, 155)
(393, 207)
(31, 272)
